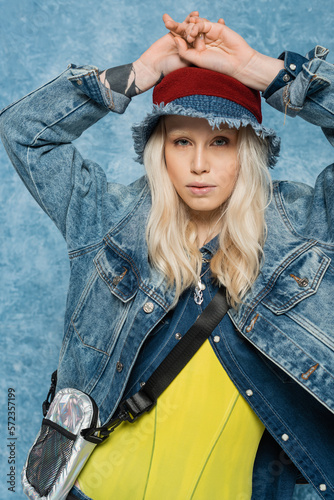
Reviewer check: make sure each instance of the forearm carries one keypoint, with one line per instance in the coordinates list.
(260, 71)
(130, 79)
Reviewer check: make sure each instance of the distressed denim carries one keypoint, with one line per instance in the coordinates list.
(279, 352)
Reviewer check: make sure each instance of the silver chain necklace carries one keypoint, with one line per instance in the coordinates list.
(198, 293)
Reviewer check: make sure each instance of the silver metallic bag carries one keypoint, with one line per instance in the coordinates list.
(60, 451)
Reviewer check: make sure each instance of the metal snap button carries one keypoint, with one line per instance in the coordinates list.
(292, 67)
(249, 392)
(119, 366)
(216, 339)
(322, 487)
(142, 384)
(303, 282)
(285, 437)
(79, 82)
(148, 307)
(286, 78)
(178, 336)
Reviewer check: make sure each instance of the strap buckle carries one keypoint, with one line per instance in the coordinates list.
(132, 408)
(51, 394)
(129, 410)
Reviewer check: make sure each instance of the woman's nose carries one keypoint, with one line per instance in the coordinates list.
(200, 161)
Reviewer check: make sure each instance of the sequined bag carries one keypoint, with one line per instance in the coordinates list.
(60, 450)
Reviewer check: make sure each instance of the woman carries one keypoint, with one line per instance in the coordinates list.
(146, 259)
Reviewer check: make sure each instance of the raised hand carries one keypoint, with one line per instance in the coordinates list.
(215, 46)
(161, 58)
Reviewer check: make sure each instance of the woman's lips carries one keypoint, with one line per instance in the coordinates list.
(200, 189)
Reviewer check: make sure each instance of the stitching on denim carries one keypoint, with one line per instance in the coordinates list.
(302, 321)
(88, 345)
(30, 147)
(154, 295)
(277, 196)
(147, 290)
(268, 426)
(106, 279)
(313, 361)
(83, 296)
(112, 287)
(295, 299)
(115, 230)
(85, 250)
(157, 353)
(34, 184)
(286, 99)
(279, 202)
(278, 271)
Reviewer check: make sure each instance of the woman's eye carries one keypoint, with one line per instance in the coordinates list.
(181, 142)
(220, 141)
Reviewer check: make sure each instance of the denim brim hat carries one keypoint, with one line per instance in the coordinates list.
(202, 93)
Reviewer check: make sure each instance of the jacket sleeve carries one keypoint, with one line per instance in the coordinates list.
(37, 132)
(305, 88)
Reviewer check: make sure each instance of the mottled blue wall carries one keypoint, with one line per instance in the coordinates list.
(38, 39)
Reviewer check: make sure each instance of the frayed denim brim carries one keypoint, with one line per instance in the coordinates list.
(142, 131)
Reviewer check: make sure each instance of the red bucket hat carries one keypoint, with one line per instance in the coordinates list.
(202, 93)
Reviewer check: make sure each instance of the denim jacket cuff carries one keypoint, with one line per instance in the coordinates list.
(85, 78)
(293, 64)
(309, 78)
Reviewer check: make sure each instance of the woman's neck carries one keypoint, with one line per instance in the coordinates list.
(207, 229)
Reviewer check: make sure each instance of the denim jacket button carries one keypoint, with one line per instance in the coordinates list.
(322, 487)
(119, 366)
(79, 82)
(286, 78)
(292, 67)
(178, 336)
(216, 339)
(148, 307)
(116, 280)
(285, 437)
(303, 282)
(249, 392)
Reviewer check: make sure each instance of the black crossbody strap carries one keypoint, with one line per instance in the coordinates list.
(141, 402)
(185, 349)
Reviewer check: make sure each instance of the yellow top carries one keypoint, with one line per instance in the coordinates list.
(198, 443)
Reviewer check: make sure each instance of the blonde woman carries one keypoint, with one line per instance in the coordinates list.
(250, 415)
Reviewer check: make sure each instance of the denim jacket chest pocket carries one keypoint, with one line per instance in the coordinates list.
(299, 279)
(105, 302)
(301, 293)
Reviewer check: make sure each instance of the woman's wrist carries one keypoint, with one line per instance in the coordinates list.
(146, 77)
(260, 71)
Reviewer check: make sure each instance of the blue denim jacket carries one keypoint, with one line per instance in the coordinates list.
(280, 355)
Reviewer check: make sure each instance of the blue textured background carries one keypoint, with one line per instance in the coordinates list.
(38, 39)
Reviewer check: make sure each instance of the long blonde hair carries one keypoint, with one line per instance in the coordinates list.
(172, 236)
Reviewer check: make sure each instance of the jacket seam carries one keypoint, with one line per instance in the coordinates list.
(295, 317)
(87, 345)
(278, 271)
(31, 146)
(264, 399)
(279, 202)
(73, 254)
(302, 294)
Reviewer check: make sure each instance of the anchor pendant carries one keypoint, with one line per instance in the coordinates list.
(198, 293)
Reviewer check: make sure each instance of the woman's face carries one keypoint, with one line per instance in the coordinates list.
(201, 163)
